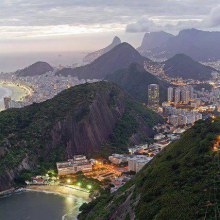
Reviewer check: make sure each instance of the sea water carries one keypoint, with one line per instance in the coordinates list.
(39, 206)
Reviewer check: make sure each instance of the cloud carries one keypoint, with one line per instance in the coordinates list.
(142, 25)
(213, 19)
(148, 25)
(41, 19)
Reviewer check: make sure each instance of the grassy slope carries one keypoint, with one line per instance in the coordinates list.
(178, 183)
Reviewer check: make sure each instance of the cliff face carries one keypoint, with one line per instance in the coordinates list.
(87, 135)
(77, 121)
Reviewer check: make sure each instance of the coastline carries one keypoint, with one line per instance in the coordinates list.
(59, 190)
(17, 92)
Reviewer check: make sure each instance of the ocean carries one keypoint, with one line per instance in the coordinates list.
(15, 61)
(39, 206)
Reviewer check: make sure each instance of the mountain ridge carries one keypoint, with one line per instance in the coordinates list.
(119, 57)
(198, 44)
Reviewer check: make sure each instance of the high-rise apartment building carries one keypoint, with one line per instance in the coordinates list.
(177, 95)
(153, 95)
(170, 94)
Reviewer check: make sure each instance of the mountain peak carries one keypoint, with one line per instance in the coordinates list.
(116, 40)
(95, 55)
(121, 56)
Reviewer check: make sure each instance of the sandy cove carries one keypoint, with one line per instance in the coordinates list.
(63, 190)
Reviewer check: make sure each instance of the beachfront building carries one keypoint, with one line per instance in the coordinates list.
(9, 103)
(78, 163)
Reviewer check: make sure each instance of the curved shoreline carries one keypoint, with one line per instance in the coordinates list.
(16, 90)
(27, 89)
(59, 190)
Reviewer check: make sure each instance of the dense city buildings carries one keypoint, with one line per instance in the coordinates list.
(170, 94)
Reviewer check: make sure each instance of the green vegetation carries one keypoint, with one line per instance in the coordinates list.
(41, 134)
(182, 182)
(26, 132)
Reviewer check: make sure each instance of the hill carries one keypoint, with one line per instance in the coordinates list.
(184, 66)
(135, 81)
(80, 120)
(119, 57)
(182, 182)
(94, 55)
(200, 45)
(35, 69)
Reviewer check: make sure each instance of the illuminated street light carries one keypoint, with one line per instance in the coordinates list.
(89, 186)
(68, 181)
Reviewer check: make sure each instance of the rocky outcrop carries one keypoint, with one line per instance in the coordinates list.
(7, 178)
(87, 135)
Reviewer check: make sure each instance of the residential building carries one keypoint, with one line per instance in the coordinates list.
(153, 96)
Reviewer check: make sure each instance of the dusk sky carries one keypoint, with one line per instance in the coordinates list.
(79, 25)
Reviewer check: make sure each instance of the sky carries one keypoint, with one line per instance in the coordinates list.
(87, 25)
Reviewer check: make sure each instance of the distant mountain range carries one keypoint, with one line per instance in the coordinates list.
(119, 57)
(78, 120)
(94, 55)
(35, 69)
(185, 67)
(135, 81)
(200, 45)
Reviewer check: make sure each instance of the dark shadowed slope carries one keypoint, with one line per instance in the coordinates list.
(182, 182)
(184, 66)
(135, 81)
(118, 58)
